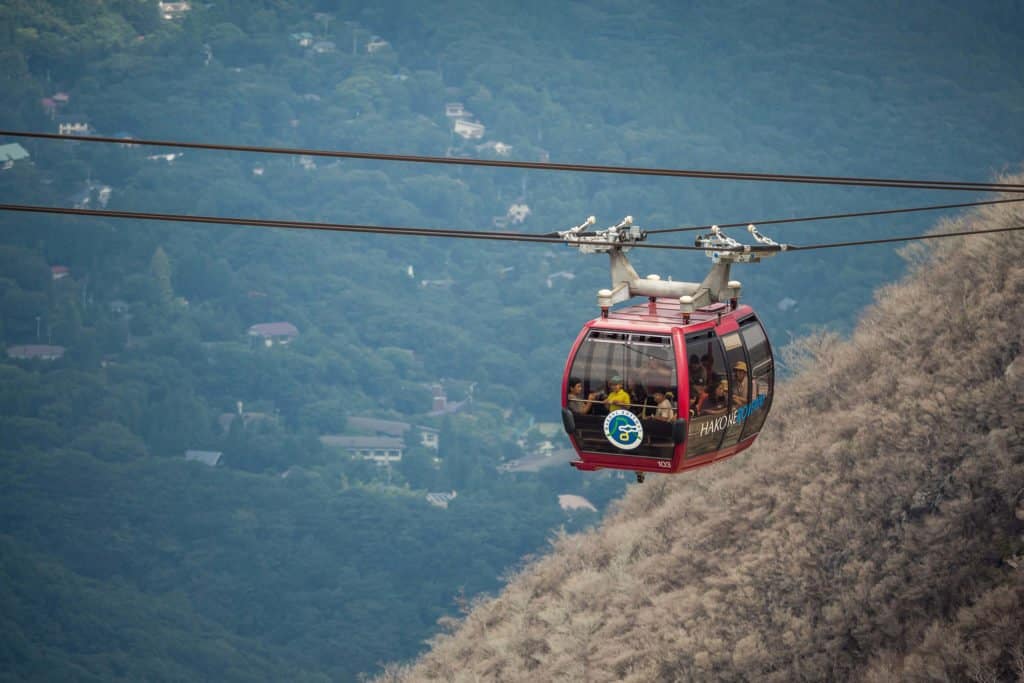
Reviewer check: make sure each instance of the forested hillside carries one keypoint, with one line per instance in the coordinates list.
(875, 532)
(128, 347)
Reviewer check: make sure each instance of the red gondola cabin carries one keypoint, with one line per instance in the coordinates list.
(664, 391)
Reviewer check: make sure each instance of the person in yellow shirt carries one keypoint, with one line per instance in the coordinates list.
(617, 398)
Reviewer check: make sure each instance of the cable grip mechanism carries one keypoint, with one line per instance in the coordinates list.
(721, 248)
(618, 237)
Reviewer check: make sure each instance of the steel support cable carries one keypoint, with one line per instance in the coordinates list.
(275, 223)
(548, 166)
(309, 225)
(910, 238)
(827, 217)
(437, 232)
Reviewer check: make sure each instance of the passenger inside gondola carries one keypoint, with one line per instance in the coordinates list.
(696, 394)
(664, 410)
(707, 363)
(617, 398)
(717, 402)
(742, 390)
(698, 376)
(698, 384)
(638, 395)
(577, 403)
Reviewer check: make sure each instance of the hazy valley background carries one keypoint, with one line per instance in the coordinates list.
(120, 560)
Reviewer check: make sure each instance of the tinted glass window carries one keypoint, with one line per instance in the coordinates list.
(624, 371)
(731, 384)
(761, 376)
(708, 393)
(738, 385)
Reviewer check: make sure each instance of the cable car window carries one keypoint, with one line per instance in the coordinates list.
(709, 392)
(739, 387)
(624, 371)
(762, 376)
(731, 342)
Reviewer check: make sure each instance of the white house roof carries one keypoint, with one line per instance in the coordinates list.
(468, 129)
(440, 500)
(569, 501)
(12, 152)
(210, 458)
(281, 329)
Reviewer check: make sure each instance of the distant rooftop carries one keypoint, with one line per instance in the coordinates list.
(441, 500)
(356, 441)
(211, 458)
(40, 351)
(280, 329)
(388, 427)
(12, 152)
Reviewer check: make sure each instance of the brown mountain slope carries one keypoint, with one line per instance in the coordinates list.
(873, 533)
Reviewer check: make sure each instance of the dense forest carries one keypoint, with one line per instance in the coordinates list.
(874, 533)
(128, 344)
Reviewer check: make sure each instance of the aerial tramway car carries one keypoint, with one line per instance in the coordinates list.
(680, 381)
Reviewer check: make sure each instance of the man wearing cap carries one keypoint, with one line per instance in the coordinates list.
(743, 390)
(617, 398)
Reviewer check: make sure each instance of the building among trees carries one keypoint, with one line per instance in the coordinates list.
(274, 333)
(36, 352)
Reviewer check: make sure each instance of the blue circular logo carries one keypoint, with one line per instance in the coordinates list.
(623, 429)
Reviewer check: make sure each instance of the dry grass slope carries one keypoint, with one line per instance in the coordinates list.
(874, 532)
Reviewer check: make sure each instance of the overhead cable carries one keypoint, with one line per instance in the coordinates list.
(437, 232)
(273, 223)
(305, 225)
(910, 238)
(858, 214)
(548, 166)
